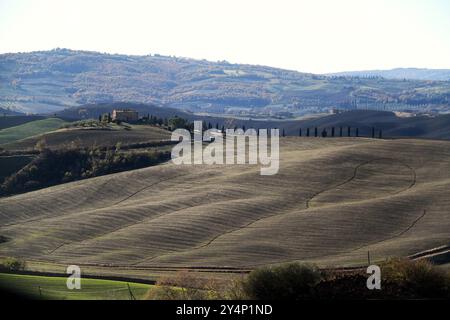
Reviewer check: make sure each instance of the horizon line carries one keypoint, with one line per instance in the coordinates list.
(222, 61)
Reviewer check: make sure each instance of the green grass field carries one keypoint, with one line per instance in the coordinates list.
(29, 129)
(54, 288)
(12, 121)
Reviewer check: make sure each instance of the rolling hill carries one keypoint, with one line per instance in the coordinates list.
(331, 202)
(16, 120)
(401, 73)
(393, 126)
(29, 129)
(50, 81)
(89, 137)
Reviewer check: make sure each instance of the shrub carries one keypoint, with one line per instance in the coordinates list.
(420, 277)
(13, 264)
(286, 282)
(88, 123)
(182, 286)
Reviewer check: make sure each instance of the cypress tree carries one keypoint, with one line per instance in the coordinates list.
(300, 132)
(307, 132)
(357, 132)
(340, 131)
(315, 132)
(332, 131)
(373, 132)
(349, 131)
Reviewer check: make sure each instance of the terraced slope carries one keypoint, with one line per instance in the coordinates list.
(331, 202)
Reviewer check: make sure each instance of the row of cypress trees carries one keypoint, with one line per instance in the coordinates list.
(342, 132)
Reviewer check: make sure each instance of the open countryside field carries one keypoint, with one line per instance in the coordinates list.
(331, 202)
(92, 137)
(12, 121)
(55, 288)
(29, 129)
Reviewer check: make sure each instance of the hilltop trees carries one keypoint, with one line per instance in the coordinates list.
(177, 123)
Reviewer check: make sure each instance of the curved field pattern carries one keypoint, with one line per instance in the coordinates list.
(332, 200)
(377, 178)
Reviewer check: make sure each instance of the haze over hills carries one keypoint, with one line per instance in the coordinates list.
(400, 73)
(8, 112)
(49, 81)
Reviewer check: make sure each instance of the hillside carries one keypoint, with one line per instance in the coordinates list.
(16, 120)
(393, 126)
(89, 137)
(49, 81)
(29, 129)
(401, 73)
(331, 202)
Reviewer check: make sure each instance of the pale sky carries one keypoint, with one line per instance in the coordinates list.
(311, 35)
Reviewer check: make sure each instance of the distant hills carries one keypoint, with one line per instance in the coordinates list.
(9, 112)
(401, 73)
(393, 126)
(50, 81)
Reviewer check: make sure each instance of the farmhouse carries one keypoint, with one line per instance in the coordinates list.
(127, 115)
